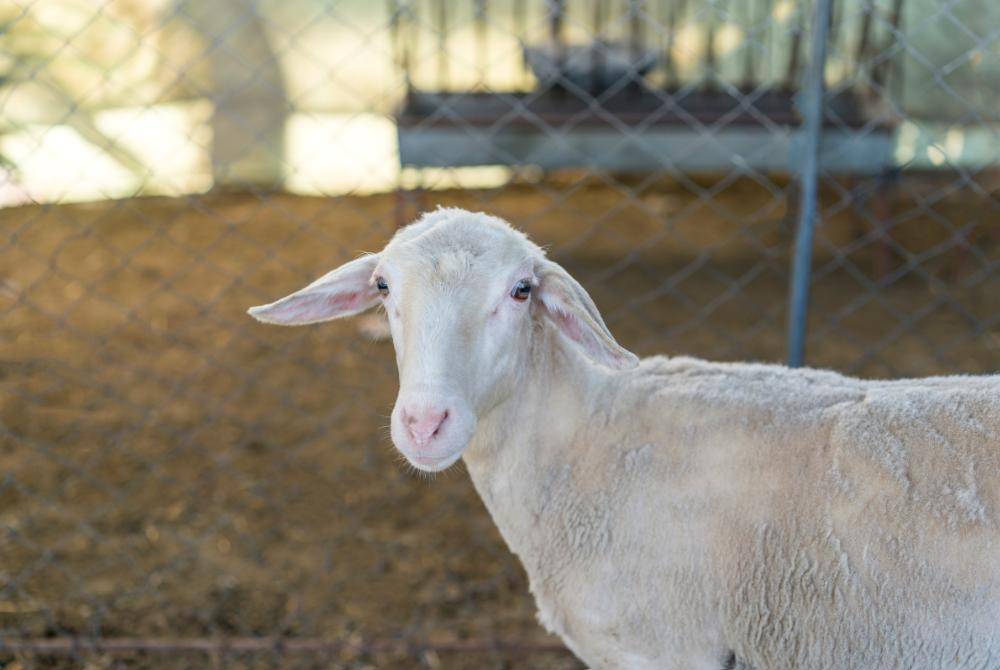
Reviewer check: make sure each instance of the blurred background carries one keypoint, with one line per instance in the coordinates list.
(173, 474)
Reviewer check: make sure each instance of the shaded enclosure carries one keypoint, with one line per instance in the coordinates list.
(180, 485)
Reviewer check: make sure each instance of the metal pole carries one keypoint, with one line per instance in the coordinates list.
(812, 112)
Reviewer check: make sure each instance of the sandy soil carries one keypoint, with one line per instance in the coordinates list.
(170, 468)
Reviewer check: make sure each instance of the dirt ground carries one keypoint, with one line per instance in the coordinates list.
(169, 468)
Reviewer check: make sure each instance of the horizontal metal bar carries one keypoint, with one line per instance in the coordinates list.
(69, 646)
(657, 149)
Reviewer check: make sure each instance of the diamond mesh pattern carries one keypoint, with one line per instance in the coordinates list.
(179, 483)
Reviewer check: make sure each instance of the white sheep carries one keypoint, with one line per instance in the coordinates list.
(676, 513)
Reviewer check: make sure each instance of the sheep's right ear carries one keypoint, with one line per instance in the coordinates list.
(345, 291)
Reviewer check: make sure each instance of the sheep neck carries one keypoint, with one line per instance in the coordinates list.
(523, 445)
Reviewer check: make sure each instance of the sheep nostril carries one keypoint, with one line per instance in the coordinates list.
(444, 417)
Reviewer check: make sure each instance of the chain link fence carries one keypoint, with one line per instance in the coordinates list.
(179, 485)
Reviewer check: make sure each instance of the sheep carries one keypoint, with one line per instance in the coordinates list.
(679, 513)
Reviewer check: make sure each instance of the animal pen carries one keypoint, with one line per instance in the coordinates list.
(810, 181)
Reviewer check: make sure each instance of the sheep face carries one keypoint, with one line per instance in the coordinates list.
(466, 297)
(459, 317)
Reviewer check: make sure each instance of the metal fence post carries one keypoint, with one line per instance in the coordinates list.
(812, 112)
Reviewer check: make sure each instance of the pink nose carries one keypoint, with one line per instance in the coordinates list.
(424, 425)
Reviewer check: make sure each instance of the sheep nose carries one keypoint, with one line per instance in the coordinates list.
(424, 425)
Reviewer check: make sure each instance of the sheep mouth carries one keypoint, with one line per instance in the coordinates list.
(433, 464)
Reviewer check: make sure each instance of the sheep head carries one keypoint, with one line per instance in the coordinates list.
(465, 296)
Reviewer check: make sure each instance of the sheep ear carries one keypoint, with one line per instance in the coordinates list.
(572, 311)
(345, 291)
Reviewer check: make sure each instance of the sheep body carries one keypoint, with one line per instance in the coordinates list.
(679, 514)
(686, 511)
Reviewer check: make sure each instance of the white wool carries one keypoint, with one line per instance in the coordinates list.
(686, 510)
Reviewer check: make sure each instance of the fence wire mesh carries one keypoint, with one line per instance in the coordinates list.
(178, 483)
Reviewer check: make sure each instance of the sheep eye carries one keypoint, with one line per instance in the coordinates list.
(521, 290)
(382, 285)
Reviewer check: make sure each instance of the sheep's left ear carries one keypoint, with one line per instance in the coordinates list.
(345, 291)
(572, 311)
